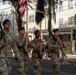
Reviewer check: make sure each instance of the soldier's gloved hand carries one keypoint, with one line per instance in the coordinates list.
(27, 50)
(40, 40)
(3, 44)
(18, 59)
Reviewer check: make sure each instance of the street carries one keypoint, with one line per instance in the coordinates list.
(66, 68)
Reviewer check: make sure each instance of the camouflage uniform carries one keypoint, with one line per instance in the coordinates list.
(54, 54)
(35, 44)
(7, 51)
(3, 66)
(21, 44)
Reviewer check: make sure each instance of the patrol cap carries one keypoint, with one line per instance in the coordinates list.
(55, 30)
(21, 28)
(5, 21)
(36, 31)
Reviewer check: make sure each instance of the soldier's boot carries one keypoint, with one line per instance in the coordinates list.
(37, 72)
(1, 73)
(26, 71)
(55, 73)
(20, 71)
(56, 69)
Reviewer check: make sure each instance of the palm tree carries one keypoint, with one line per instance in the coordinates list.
(17, 13)
(51, 13)
(52, 4)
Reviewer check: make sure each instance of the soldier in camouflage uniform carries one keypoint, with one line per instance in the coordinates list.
(3, 65)
(36, 55)
(55, 45)
(7, 45)
(21, 44)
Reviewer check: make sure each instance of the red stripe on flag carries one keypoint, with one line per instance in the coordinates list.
(22, 4)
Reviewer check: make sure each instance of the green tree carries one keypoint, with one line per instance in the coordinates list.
(52, 6)
(17, 13)
(51, 9)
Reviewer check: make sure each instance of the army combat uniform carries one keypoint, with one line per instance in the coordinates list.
(3, 65)
(7, 51)
(21, 44)
(54, 54)
(35, 44)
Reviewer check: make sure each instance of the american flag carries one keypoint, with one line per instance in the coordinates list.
(22, 4)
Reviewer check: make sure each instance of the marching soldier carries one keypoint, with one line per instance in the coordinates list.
(7, 45)
(3, 65)
(21, 44)
(55, 45)
(37, 54)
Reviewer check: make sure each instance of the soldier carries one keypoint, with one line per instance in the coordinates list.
(37, 53)
(21, 44)
(3, 65)
(7, 45)
(55, 45)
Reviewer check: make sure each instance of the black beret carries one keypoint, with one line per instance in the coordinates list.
(36, 31)
(21, 28)
(5, 21)
(55, 30)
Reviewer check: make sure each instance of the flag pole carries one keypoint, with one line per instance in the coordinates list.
(26, 24)
(40, 42)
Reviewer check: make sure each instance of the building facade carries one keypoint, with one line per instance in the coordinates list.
(7, 12)
(64, 19)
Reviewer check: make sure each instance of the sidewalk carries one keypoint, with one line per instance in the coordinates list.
(71, 58)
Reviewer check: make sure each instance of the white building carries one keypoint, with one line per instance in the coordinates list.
(7, 12)
(32, 26)
(65, 13)
(64, 19)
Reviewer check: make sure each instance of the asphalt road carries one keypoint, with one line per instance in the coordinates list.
(66, 68)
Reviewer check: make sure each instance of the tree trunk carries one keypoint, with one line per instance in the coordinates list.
(18, 19)
(49, 18)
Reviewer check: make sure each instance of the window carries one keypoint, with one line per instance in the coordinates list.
(60, 21)
(31, 18)
(61, 6)
(70, 20)
(70, 4)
